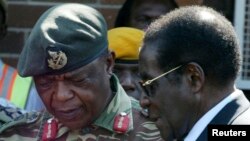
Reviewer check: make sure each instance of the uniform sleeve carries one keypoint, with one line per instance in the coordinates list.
(144, 128)
(8, 112)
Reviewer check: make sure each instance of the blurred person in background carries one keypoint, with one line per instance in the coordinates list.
(18, 90)
(140, 13)
(126, 42)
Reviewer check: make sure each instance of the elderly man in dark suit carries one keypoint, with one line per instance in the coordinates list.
(189, 63)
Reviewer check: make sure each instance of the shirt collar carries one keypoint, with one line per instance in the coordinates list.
(201, 124)
(120, 103)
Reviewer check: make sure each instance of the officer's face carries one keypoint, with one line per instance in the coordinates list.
(128, 76)
(169, 101)
(77, 98)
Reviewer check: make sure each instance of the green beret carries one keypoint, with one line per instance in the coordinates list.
(66, 37)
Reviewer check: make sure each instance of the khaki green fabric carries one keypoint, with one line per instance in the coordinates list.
(11, 116)
(140, 128)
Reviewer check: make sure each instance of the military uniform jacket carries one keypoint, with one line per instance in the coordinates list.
(120, 121)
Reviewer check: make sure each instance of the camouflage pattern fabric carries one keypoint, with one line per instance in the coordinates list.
(140, 128)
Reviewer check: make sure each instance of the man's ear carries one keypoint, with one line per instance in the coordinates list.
(195, 76)
(110, 62)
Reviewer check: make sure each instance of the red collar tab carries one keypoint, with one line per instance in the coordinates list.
(50, 130)
(121, 123)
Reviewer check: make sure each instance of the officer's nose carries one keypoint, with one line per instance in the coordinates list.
(127, 82)
(63, 92)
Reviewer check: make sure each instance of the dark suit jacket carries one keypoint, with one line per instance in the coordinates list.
(235, 112)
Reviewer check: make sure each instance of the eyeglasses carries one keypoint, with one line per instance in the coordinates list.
(147, 83)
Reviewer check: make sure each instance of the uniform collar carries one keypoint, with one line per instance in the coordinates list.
(120, 103)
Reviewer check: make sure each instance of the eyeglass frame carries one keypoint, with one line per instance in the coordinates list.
(148, 82)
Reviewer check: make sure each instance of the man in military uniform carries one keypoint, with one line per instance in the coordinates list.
(67, 55)
(126, 42)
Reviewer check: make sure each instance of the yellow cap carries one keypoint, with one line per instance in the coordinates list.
(125, 42)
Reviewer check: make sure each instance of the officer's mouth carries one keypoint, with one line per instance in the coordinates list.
(68, 114)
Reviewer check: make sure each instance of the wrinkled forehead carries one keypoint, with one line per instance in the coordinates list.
(126, 65)
(153, 5)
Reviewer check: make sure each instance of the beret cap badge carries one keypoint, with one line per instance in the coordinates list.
(57, 59)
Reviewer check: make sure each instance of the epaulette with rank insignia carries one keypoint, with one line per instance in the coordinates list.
(121, 123)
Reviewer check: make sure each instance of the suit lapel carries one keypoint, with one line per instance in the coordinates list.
(228, 113)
